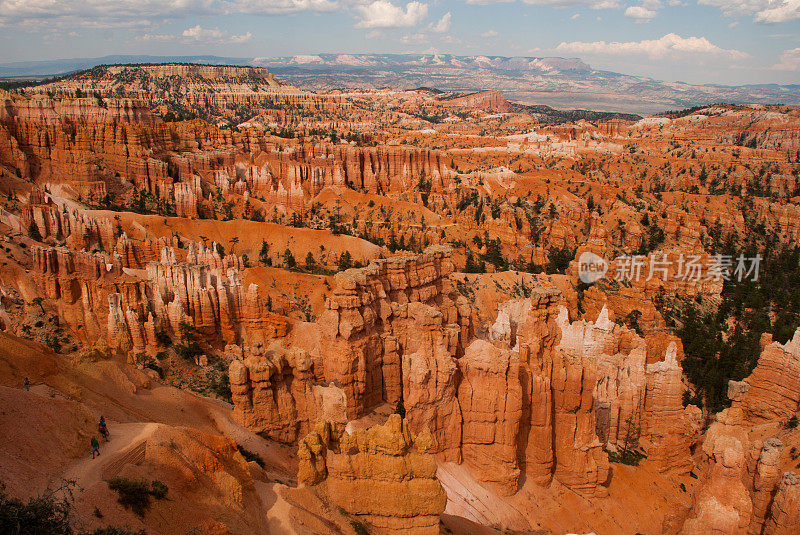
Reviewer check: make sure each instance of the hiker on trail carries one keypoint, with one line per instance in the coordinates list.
(101, 427)
(27, 384)
(95, 447)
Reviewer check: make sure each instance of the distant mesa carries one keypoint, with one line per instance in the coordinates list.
(485, 100)
(562, 83)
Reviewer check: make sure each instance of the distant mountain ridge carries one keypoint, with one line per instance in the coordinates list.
(64, 66)
(557, 82)
(428, 60)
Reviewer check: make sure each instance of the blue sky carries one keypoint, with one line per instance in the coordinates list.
(697, 41)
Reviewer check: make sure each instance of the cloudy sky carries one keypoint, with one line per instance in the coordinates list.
(716, 41)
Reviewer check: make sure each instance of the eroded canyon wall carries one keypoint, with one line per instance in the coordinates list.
(548, 400)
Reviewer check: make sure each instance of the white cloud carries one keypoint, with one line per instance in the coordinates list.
(764, 11)
(790, 61)
(576, 16)
(275, 7)
(443, 26)
(733, 24)
(39, 14)
(592, 4)
(736, 8)
(238, 39)
(414, 38)
(671, 46)
(640, 13)
(141, 13)
(783, 12)
(559, 4)
(489, 33)
(199, 35)
(156, 37)
(384, 14)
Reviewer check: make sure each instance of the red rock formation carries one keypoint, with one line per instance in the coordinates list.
(722, 505)
(86, 145)
(765, 482)
(75, 227)
(429, 374)
(381, 475)
(484, 100)
(593, 381)
(765, 398)
(532, 397)
(772, 391)
(62, 140)
(391, 331)
(274, 393)
(294, 177)
(102, 298)
(225, 93)
(589, 389)
(537, 338)
(579, 459)
(358, 326)
(207, 292)
(668, 429)
(785, 511)
(490, 397)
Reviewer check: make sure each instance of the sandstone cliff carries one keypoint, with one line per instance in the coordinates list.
(382, 475)
(745, 486)
(546, 401)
